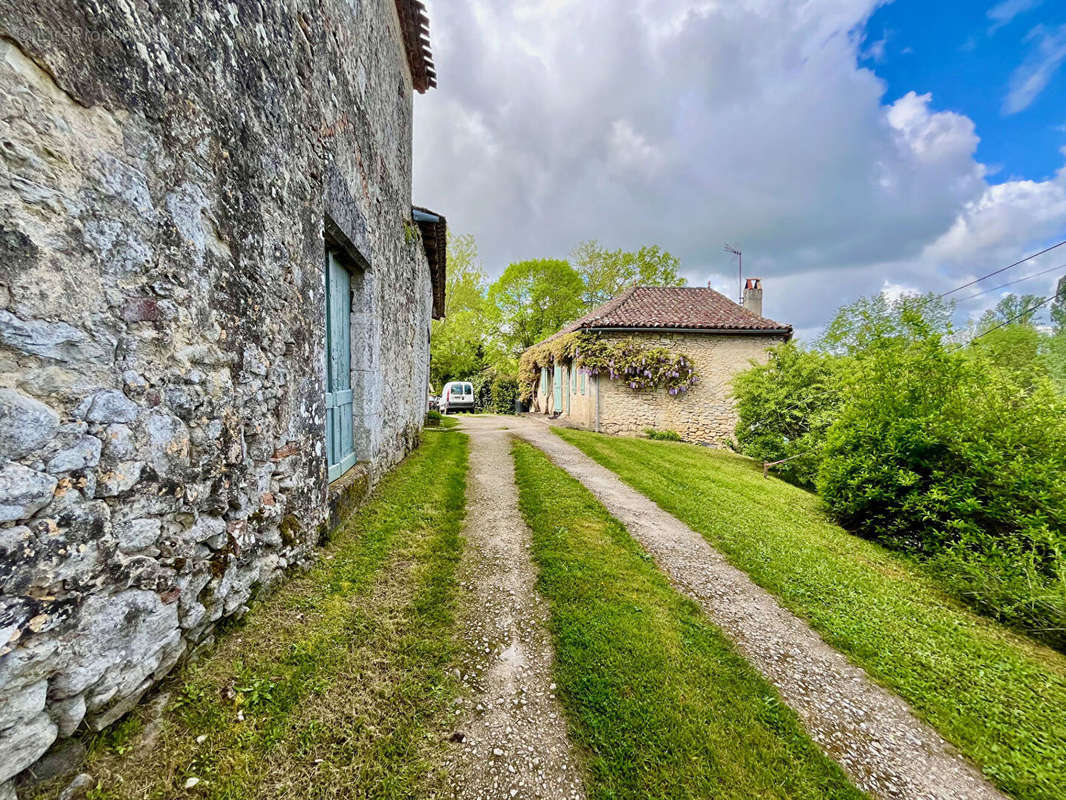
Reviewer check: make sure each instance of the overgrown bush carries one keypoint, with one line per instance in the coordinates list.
(504, 394)
(784, 408)
(939, 452)
(433, 418)
(956, 454)
(662, 436)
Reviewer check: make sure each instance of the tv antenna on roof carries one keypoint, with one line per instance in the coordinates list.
(740, 269)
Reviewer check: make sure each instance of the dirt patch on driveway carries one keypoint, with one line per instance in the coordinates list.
(510, 735)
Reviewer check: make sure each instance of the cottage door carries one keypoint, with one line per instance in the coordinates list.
(557, 390)
(566, 390)
(340, 450)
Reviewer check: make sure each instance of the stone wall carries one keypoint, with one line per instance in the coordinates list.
(165, 173)
(706, 413)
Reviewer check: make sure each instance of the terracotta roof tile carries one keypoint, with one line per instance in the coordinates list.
(414, 26)
(687, 307)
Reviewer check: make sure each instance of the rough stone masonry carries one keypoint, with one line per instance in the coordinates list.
(168, 173)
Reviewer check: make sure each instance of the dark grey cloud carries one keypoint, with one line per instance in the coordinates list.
(687, 124)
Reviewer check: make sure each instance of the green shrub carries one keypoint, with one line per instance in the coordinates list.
(504, 394)
(433, 418)
(938, 452)
(662, 436)
(785, 406)
(956, 454)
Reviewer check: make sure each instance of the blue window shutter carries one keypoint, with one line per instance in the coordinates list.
(340, 448)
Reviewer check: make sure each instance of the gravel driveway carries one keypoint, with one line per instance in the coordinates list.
(868, 730)
(510, 739)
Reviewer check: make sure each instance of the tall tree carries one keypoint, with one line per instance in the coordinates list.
(458, 341)
(532, 300)
(1058, 307)
(1013, 308)
(606, 273)
(875, 321)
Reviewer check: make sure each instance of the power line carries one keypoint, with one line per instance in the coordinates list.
(1002, 269)
(1017, 317)
(1011, 283)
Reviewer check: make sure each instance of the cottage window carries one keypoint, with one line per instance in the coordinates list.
(340, 445)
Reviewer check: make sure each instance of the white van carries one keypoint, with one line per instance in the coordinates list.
(457, 396)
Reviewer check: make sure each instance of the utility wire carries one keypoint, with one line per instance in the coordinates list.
(1002, 269)
(1011, 283)
(1017, 317)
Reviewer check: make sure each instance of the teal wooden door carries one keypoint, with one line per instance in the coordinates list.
(557, 390)
(566, 390)
(340, 450)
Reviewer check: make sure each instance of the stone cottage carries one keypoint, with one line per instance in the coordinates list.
(215, 304)
(719, 337)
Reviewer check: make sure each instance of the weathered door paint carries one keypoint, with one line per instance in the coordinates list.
(340, 449)
(557, 389)
(566, 390)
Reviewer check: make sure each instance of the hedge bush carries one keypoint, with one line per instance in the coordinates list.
(953, 453)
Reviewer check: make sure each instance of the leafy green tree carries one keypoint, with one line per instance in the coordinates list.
(878, 320)
(1012, 308)
(1058, 307)
(607, 273)
(531, 300)
(1019, 350)
(457, 343)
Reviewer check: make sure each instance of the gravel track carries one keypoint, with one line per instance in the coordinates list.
(510, 739)
(868, 730)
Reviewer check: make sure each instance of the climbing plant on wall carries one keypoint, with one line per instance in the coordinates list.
(630, 361)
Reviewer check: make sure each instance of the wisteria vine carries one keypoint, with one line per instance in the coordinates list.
(627, 360)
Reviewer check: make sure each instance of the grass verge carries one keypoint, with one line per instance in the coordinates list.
(335, 686)
(656, 696)
(999, 697)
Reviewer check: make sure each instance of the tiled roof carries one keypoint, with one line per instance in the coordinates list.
(686, 307)
(414, 25)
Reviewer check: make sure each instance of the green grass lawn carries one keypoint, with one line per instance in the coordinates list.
(658, 700)
(338, 685)
(999, 697)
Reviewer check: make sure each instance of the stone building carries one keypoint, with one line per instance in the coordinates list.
(720, 338)
(215, 299)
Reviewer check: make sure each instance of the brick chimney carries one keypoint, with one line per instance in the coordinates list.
(753, 296)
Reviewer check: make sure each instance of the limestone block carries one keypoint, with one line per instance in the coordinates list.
(168, 443)
(23, 704)
(54, 340)
(23, 491)
(110, 630)
(23, 744)
(67, 714)
(137, 534)
(25, 424)
(111, 405)
(85, 452)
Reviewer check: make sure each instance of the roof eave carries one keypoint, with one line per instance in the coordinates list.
(414, 28)
(787, 331)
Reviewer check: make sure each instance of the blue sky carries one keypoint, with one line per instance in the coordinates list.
(965, 53)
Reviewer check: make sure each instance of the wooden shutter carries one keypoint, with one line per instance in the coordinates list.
(340, 449)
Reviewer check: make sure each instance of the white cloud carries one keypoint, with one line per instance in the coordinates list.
(1004, 220)
(1036, 71)
(1002, 13)
(687, 123)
